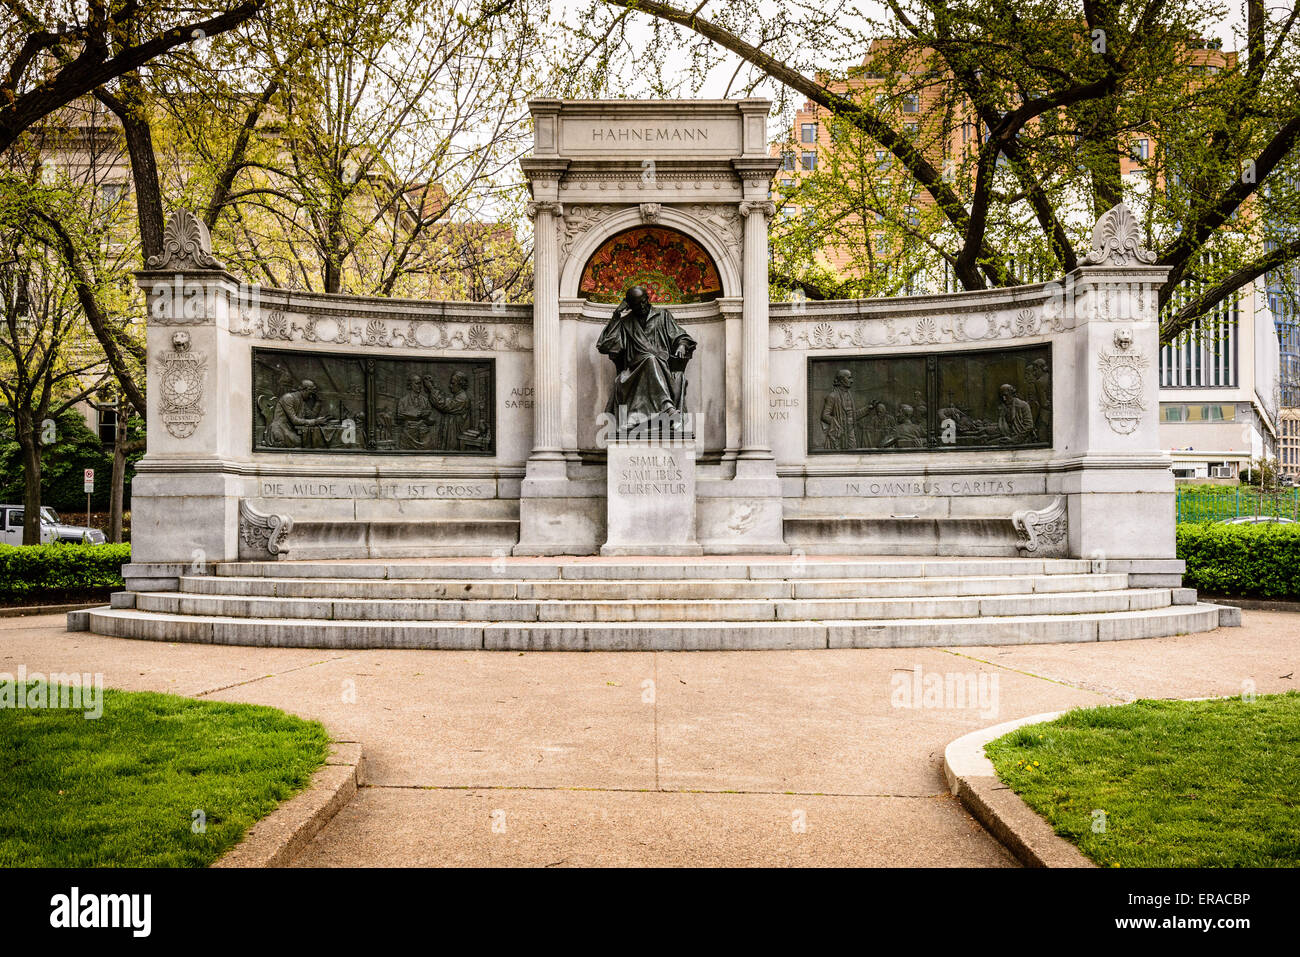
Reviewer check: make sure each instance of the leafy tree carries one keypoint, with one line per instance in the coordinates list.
(70, 205)
(63, 49)
(74, 448)
(1057, 91)
(359, 146)
(44, 367)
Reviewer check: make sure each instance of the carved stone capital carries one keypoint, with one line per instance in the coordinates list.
(1117, 241)
(545, 206)
(762, 207)
(186, 245)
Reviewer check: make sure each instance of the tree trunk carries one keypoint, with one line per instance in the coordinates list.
(119, 476)
(129, 109)
(31, 456)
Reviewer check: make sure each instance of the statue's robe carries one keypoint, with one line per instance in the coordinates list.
(645, 385)
(1016, 421)
(839, 420)
(412, 416)
(294, 415)
(455, 410)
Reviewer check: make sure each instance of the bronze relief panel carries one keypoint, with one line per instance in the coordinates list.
(328, 402)
(991, 399)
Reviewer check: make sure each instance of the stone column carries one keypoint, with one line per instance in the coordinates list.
(558, 515)
(732, 309)
(546, 216)
(754, 339)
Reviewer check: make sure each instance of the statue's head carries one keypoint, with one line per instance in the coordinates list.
(1007, 392)
(414, 383)
(309, 388)
(639, 299)
(844, 379)
(458, 381)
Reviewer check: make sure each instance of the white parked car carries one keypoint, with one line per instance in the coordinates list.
(52, 529)
(1259, 520)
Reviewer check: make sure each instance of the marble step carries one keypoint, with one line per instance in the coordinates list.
(695, 569)
(662, 636)
(708, 589)
(657, 610)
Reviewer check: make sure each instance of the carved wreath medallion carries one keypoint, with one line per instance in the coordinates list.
(1122, 384)
(182, 376)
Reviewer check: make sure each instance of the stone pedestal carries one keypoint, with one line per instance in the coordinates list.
(651, 499)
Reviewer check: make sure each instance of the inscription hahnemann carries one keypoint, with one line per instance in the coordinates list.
(649, 134)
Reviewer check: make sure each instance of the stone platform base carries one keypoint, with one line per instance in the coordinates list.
(648, 603)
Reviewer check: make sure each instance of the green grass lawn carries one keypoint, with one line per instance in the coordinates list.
(121, 790)
(1182, 783)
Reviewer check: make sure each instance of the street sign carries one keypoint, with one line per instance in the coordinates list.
(90, 481)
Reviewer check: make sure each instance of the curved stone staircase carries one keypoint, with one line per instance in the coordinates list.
(587, 604)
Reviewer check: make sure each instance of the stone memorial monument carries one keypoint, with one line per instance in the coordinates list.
(652, 400)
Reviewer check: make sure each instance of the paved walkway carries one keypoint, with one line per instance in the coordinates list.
(728, 758)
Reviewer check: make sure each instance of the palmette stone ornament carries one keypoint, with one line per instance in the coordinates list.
(186, 245)
(1117, 241)
(182, 376)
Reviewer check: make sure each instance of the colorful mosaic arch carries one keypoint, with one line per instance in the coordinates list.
(672, 266)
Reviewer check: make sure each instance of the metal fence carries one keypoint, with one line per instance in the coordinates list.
(1221, 503)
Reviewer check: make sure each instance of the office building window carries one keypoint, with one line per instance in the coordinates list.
(108, 426)
(808, 133)
(808, 160)
(1176, 412)
(1205, 355)
(911, 102)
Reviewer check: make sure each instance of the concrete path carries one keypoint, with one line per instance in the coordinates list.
(708, 758)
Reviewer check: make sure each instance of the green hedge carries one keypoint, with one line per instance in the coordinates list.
(31, 574)
(1257, 561)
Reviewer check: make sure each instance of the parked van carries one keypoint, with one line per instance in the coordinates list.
(52, 529)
